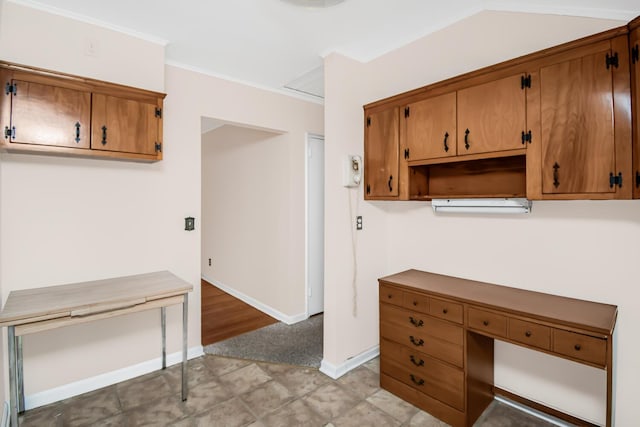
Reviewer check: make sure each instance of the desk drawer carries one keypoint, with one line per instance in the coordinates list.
(486, 321)
(390, 295)
(423, 343)
(422, 323)
(581, 347)
(416, 302)
(434, 378)
(530, 333)
(446, 310)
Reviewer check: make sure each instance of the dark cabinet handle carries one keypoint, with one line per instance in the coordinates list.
(389, 183)
(416, 323)
(445, 311)
(77, 132)
(446, 147)
(577, 347)
(417, 343)
(485, 322)
(415, 303)
(104, 135)
(556, 181)
(415, 362)
(389, 296)
(418, 381)
(527, 334)
(466, 139)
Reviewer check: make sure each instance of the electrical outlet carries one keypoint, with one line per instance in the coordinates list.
(209, 262)
(359, 222)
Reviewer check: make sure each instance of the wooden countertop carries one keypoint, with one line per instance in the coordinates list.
(590, 316)
(86, 298)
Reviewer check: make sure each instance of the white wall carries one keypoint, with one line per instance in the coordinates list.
(64, 220)
(581, 249)
(246, 212)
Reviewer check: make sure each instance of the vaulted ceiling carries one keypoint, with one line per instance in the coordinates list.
(276, 44)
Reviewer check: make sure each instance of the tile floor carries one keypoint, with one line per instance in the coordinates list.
(231, 392)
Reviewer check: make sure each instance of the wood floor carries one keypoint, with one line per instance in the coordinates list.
(224, 316)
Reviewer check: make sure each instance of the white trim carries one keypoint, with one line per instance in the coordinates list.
(309, 136)
(284, 318)
(109, 378)
(88, 20)
(585, 12)
(288, 92)
(336, 371)
(541, 415)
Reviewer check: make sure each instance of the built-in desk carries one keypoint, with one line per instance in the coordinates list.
(35, 310)
(437, 332)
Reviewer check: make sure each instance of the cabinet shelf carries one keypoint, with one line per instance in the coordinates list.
(488, 177)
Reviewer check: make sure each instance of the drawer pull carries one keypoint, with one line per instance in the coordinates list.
(389, 296)
(416, 323)
(418, 381)
(413, 360)
(577, 347)
(485, 322)
(417, 343)
(445, 311)
(415, 303)
(527, 334)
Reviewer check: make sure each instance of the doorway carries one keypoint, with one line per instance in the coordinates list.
(315, 224)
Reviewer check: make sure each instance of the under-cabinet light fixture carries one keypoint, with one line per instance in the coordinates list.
(482, 206)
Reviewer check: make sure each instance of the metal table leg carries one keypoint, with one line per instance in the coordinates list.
(163, 321)
(13, 389)
(20, 376)
(185, 316)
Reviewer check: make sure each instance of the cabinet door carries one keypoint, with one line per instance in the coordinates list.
(381, 154)
(124, 125)
(577, 125)
(45, 114)
(430, 128)
(634, 44)
(491, 116)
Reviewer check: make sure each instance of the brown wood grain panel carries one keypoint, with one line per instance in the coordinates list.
(534, 146)
(446, 310)
(634, 43)
(424, 343)
(580, 347)
(479, 363)
(391, 295)
(431, 127)
(491, 116)
(47, 115)
(415, 322)
(224, 316)
(578, 145)
(415, 301)
(381, 148)
(530, 333)
(131, 126)
(622, 118)
(488, 322)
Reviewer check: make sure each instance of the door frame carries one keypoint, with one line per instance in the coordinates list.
(307, 287)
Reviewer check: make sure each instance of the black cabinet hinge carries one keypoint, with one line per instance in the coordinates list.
(525, 81)
(407, 112)
(615, 180)
(612, 60)
(159, 112)
(526, 137)
(368, 189)
(158, 147)
(10, 132)
(635, 54)
(406, 153)
(637, 179)
(11, 88)
(368, 121)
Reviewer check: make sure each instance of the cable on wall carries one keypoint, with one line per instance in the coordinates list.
(354, 245)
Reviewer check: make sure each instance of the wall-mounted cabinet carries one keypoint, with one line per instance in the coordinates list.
(555, 124)
(634, 48)
(50, 113)
(381, 154)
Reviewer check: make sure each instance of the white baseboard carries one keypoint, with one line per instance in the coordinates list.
(336, 371)
(284, 318)
(109, 378)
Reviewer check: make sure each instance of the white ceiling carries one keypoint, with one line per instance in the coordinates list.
(274, 44)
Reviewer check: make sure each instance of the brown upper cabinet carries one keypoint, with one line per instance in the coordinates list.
(382, 148)
(555, 124)
(634, 48)
(430, 128)
(492, 116)
(44, 112)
